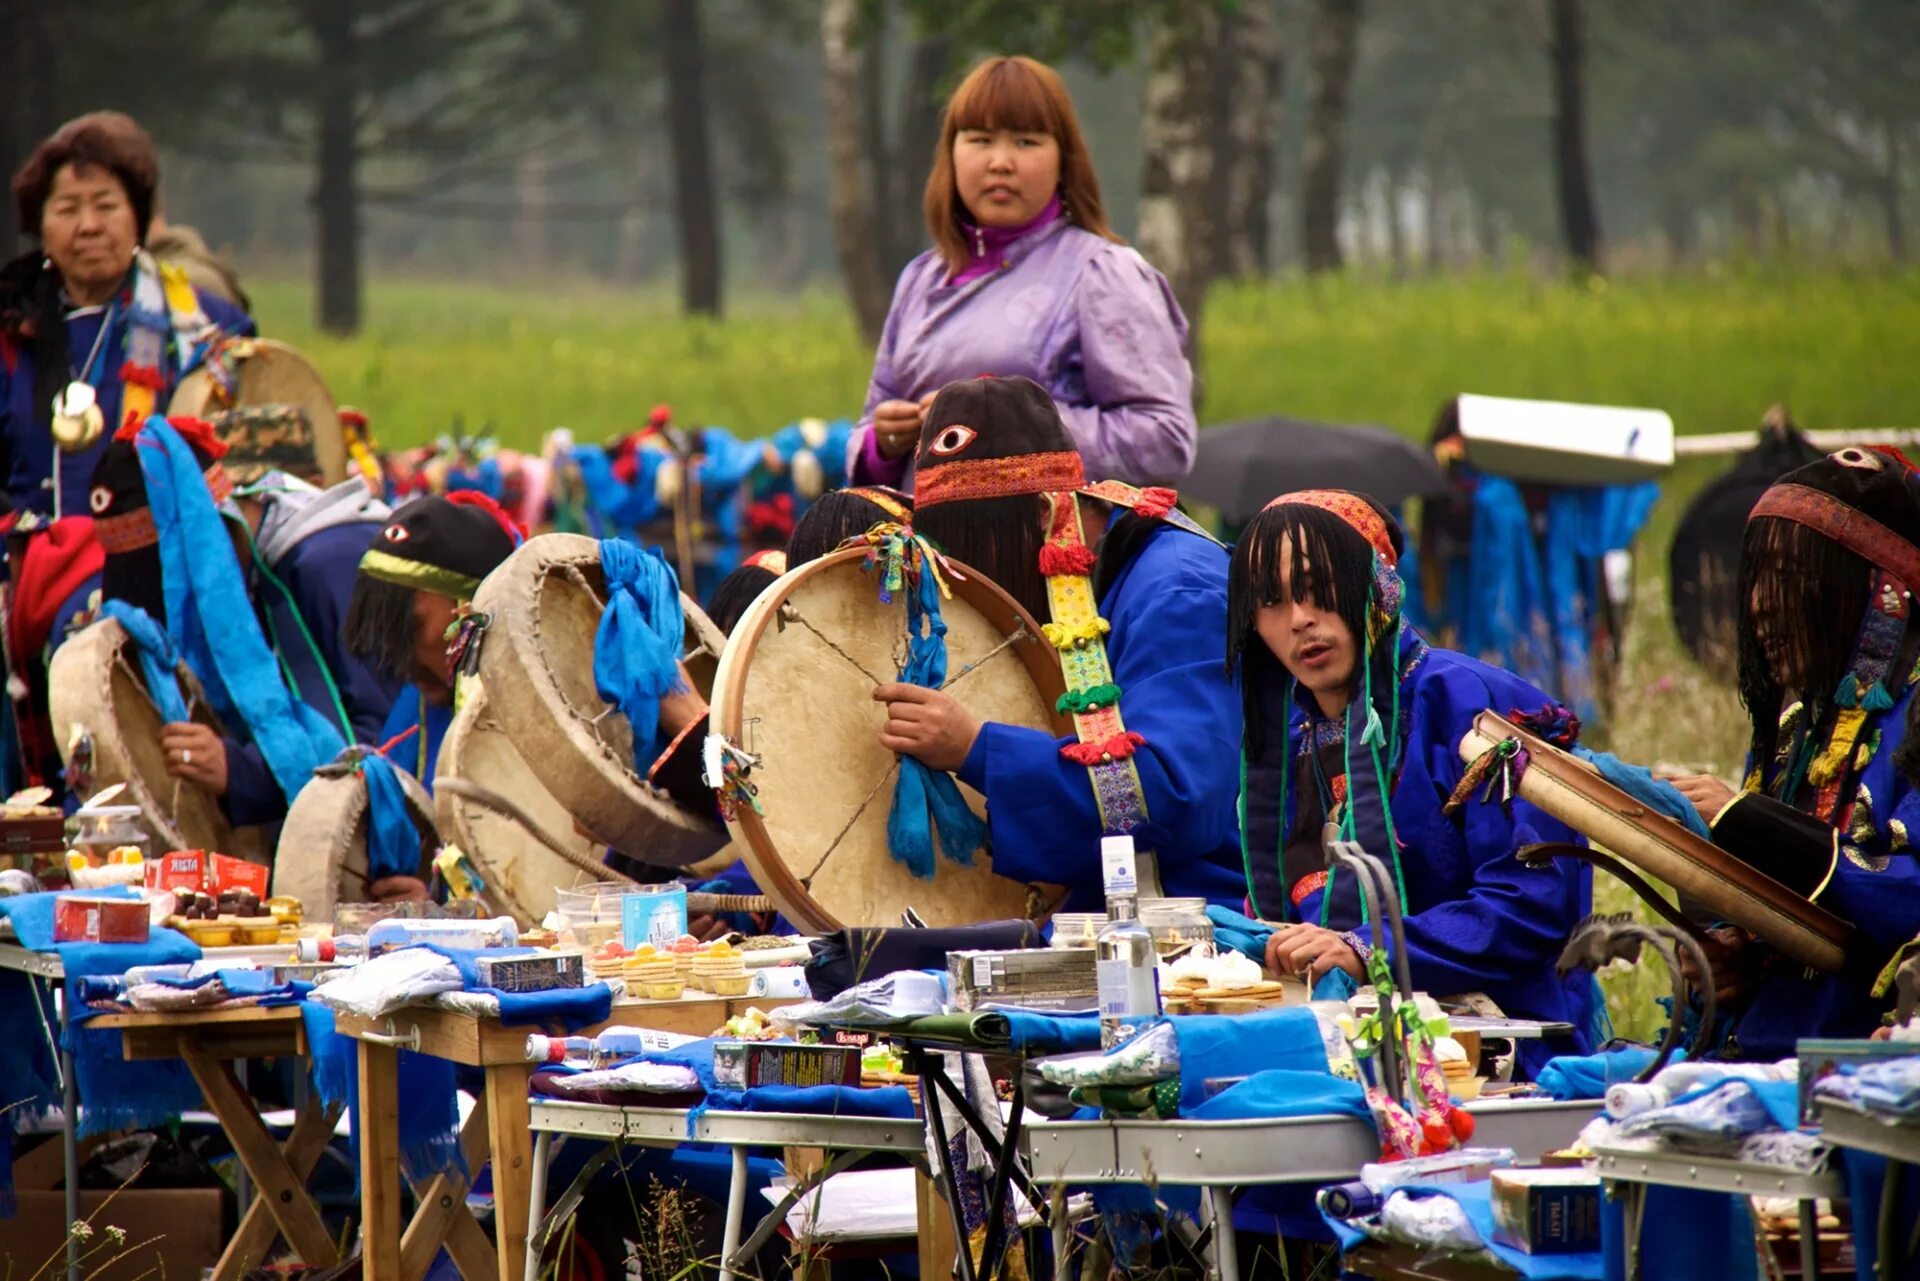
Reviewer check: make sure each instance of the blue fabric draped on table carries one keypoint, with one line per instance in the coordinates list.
(817, 1100)
(1477, 1200)
(573, 1008)
(1587, 1076)
(115, 1094)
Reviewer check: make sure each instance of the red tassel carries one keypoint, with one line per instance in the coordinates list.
(1065, 558)
(1155, 501)
(143, 376)
(1117, 748)
(474, 498)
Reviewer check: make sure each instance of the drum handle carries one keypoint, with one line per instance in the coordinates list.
(1542, 853)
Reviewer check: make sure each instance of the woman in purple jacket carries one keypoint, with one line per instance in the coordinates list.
(1025, 277)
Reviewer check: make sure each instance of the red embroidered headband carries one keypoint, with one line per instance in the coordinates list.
(999, 478)
(1356, 511)
(1852, 528)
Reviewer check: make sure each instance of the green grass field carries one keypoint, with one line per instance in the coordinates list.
(1714, 350)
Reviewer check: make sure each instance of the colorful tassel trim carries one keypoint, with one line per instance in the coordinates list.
(1057, 559)
(1832, 762)
(142, 376)
(1104, 752)
(1078, 702)
(1155, 502)
(1077, 634)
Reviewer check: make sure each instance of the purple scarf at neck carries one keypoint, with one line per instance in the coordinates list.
(990, 243)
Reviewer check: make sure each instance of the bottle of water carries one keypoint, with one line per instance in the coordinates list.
(1126, 968)
(612, 1044)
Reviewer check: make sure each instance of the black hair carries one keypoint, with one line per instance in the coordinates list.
(735, 592)
(1807, 594)
(833, 519)
(379, 627)
(1000, 537)
(1329, 564)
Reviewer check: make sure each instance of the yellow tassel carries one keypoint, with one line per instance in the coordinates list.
(1075, 635)
(1831, 763)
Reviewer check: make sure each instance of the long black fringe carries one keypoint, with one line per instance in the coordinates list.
(1000, 537)
(379, 627)
(1324, 561)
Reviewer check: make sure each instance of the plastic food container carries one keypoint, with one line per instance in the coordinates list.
(103, 829)
(1176, 923)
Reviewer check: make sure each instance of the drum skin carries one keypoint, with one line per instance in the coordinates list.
(274, 374)
(322, 855)
(795, 687)
(96, 689)
(536, 662)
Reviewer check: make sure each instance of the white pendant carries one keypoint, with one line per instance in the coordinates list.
(77, 419)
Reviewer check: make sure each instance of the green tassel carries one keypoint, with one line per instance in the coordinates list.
(1877, 699)
(1375, 734)
(1848, 695)
(1077, 702)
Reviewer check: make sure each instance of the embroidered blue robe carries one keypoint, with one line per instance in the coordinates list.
(31, 466)
(1874, 883)
(1168, 611)
(1477, 919)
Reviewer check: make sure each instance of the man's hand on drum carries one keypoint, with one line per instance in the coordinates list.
(195, 753)
(1309, 951)
(927, 725)
(398, 889)
(896, 424)
(1709, 795)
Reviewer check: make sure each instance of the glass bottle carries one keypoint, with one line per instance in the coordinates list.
(1126, 967)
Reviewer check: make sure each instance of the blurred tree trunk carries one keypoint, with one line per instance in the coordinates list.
(1247, 155)
(530, 197)
(1396, 231)
(845, 66)
(695, 210)
(915, 134)
(1890, 198)
(1178, 216)
(1579, 219)
(1336, 26)
(337, 176)
(29, 109)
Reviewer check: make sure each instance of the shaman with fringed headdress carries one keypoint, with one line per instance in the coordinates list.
(1829, 656)
(1352, 723)
(1133, 598)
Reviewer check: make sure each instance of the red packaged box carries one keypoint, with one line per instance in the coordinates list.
(180, 870)
(80, 919)
(228, 873)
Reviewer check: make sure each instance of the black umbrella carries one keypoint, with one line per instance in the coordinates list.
(1242, 466)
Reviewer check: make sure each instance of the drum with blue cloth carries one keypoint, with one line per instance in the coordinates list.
(107, 727)
(796, 733)
(536, 664)
(322, 857)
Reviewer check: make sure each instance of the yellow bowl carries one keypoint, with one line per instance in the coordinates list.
(669, 991)
(212, 935)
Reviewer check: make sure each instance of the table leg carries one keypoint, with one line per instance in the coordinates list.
(736, 1212)
(69, 1136)
(537, 1200)
(312, 1131)
(1809, 1241)
(281, 1190)
(441, 1218)
(937, 1247)
(379, 1162)
(1226, 1251)
(510, 1137)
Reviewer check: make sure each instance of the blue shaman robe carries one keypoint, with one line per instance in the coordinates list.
(1168, 611)
(1859, 865)
(1477, 919)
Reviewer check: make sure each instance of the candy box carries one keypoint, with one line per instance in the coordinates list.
(180, 870)
(229, 874)
(531, 972)
(1546, 1211)
(742, 1065)
(78, 918)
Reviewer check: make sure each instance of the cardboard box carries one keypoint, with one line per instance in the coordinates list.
(226, 873)
(1546, 1211)
(171, 1233)
(78, 918)
(535, 972)
(181, 870)
(742, 1065)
